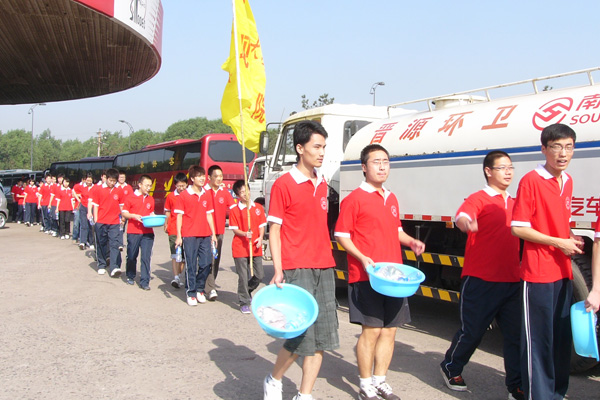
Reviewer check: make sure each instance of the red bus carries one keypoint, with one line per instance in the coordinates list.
(164, 160)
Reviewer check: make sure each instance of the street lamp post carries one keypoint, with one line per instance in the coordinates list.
(31, 151)
(375, 87)
(130, 131)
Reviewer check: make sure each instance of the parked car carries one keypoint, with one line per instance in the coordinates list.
(3, 209)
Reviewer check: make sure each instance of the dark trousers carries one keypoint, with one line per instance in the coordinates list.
(14, 211)
(107, 242)
(45, 218)
(247, 283)
(135, 243)
(53, 219)
(85, 230)
(214, 270)
(21, 213)
(64, 222)
(546, 339)
(30, 210)
(197, 263)
(480, 302)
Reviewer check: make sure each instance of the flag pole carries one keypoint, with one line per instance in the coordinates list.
(239, 90)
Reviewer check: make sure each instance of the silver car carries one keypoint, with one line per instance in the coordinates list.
(3, 209)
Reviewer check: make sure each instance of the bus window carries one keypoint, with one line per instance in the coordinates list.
(189, 155)
(141, 163)
(228, 151)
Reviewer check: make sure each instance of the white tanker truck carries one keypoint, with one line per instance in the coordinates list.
(436, 162)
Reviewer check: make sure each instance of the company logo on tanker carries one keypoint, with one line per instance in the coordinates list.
(552, 112)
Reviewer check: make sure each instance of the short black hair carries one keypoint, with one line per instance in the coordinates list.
(214, 168)
(143, 177)
(180, 177)
(237, 186)
(121, 172)
(364, 154)
(490, 159)
(66, 179)
(556, 132)
(60, 175)
(89, 175)
(112, 173)
(196, 170)
(304, 130)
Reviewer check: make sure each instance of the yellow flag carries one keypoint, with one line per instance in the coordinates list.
(246, 65)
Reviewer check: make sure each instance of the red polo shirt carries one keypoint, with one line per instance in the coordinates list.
(31, 192)
(83, 192)
(45, 194)
(142, 205)
(543, 206)
(597, 233)
(300, 208)
(66, 196)
(222, 201)
(108, 201)
(372, 221)
(170, 203)
(238, 219)
(54, 189)
(126, 189)
(492, 253)
(18, 193)
(194, 208)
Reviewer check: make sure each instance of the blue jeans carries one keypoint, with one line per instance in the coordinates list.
(198, 257)
(85, 230)
(53, 219)
(46, 218)
(135, 242)
(30, 212)
(108, 246)
(76, 224)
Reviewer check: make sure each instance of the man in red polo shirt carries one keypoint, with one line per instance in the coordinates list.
(54, 193)
(82, 193)
(222, 201)
(490, 277)
(137, 205)
(30, 192)
(244, 234)
(370, 230)
(541, 218)
(592, 303)
(301, 252)
(44, 202)
(106, 202)
(18, 200)
(180, 181)
(127, 191)
(195, 231)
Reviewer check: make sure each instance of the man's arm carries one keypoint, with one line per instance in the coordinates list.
(351, 249)
(179, 240)
(275, 243)
(569, 246)
(415, 245)
(592, 303)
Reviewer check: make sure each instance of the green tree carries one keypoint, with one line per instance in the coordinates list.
(195, 128)
(142, 138)
(15, 150)
(322, 101)
(46, 151)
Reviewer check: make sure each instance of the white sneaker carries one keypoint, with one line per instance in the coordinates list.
(41, 229)
(212, 296)
(201, 297)
(62, 237)
(192, 301)
(176, 283)
(273, 390)
(67, 237)
(92, 247)
(54, 234)
(115, 273)
(101, 271)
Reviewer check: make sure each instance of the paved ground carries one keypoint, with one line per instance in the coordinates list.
(68, 333)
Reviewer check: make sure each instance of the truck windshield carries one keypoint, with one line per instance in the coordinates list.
(286, 146)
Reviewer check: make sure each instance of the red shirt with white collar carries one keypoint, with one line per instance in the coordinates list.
(55, 190)
(125, 188)
(222, 201)
(45, 194)
(372, 221)
(83, 191)
(194, 207)
(542, 205)
(300, 208)
(65, 196)
(31, 192)
(492, 253)
(238, 219)
(142, 205)
(597, 233)
(169, 207)
(108, 201)
(18, 193)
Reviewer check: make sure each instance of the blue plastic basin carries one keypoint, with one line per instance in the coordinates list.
(583, 325)
(395, 288)
(153, 221)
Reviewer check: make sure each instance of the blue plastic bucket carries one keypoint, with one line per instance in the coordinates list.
(395, 288)
(583, 326)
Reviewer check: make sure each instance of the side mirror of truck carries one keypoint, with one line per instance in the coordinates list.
(263, 143)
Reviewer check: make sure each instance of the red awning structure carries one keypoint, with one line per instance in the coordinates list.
(55, 50)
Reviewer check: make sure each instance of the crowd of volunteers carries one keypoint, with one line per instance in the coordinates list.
(529, 296)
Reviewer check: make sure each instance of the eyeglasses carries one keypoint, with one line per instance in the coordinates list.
(379, 163)
(504, 168)
(557, 148)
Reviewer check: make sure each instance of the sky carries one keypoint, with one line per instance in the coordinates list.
(418, 48)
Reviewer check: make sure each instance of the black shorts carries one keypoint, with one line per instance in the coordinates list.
(370, 308)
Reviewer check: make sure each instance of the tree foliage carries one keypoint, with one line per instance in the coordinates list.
(15, 144)
(322, 101)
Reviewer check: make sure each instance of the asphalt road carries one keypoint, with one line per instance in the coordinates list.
(68, 333)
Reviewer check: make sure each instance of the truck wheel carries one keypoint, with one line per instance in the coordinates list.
(2, 220)
(582, 282)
